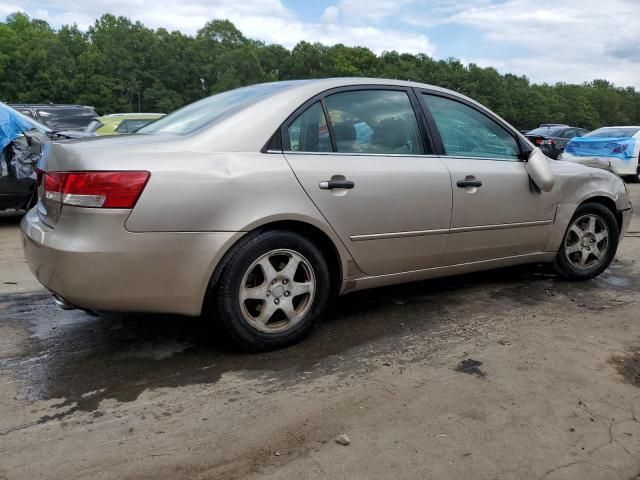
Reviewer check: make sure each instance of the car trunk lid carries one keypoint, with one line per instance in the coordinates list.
(84, 156)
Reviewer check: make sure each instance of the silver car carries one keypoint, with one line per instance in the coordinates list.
(257, 206)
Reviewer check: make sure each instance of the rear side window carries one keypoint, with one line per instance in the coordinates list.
(374, 122)
(66, 118)
(466, 132)
(309, 132)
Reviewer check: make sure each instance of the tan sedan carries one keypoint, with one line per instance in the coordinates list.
(257, 205)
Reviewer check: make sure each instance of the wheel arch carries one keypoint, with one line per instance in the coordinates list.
(340, 262)
(608, 203)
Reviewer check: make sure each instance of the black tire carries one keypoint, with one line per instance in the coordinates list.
(563, 264)
(226, 302)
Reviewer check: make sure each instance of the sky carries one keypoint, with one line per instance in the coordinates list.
(569, 41)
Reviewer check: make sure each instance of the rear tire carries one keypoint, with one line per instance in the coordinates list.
(590, 243)
(273, 289)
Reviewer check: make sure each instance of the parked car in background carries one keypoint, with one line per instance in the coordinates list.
(58, 116)
(22, 140)
(552, 138)
(257, 205)
(118, 123)
(552, 125)
(616, 149)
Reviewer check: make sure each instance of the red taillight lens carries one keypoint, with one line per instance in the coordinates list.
(95, 189)
(538, 141)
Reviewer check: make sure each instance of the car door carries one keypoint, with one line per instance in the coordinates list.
(496, 211)
(361, 156)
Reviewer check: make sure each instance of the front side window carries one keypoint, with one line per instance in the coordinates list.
(466, 132)
(374, 121)
(309, 132)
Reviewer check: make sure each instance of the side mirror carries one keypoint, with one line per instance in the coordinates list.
(539, 170)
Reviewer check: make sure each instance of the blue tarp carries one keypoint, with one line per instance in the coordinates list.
(12, 124)
(618, 147)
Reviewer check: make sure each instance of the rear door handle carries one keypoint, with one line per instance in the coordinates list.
(331, 184)
(469, 183)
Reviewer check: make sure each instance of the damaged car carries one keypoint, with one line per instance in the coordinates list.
(22, 140)
(616, 149)
(255, 207)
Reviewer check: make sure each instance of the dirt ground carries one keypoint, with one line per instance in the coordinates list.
(509, 374)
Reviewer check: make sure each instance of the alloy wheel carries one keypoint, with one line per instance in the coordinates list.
(587, 242)
(277, 291)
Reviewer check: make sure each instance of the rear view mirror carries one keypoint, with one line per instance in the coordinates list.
(539, 170)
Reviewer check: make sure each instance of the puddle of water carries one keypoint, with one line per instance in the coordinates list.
(629, 365)
(471, 367)
(84, 360)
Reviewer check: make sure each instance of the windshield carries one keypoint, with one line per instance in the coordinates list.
(203, 112)
(619, 132)
(546, 131)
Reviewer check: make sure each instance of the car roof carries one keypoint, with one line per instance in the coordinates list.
(266, 114)
(49, 105)
(620, 126)
(132, 115)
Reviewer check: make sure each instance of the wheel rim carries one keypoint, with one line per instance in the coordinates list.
(587, 242)
(277, 291)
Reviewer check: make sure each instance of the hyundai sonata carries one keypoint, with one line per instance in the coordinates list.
(257, 205)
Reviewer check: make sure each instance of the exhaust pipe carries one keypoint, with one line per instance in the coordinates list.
(62, 303)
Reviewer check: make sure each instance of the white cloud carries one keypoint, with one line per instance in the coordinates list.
(267, 20)
(373, 10)
(563, 40)
(7, 9)
(330, 14)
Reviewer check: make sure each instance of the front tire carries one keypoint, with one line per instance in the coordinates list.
(272, 290)
(590, 243)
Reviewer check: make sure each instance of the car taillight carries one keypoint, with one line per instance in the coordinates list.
(95, 189)
(538, 141)
(548, 142)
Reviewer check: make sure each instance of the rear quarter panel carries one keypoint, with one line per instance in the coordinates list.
(225, 192)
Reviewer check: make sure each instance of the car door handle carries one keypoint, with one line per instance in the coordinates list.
(469, 183)
(331, 184)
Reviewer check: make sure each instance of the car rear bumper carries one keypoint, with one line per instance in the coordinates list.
(94, 263)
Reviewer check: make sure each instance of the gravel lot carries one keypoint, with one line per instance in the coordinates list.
(509, 374)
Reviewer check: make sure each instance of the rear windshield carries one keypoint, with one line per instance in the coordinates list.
(619, 132)
(66, 118)
(546, 131)
(203, 112)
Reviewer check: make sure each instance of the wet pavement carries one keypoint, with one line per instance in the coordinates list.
(388, 365)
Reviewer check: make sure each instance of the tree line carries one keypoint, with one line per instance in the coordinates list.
(118, 65)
